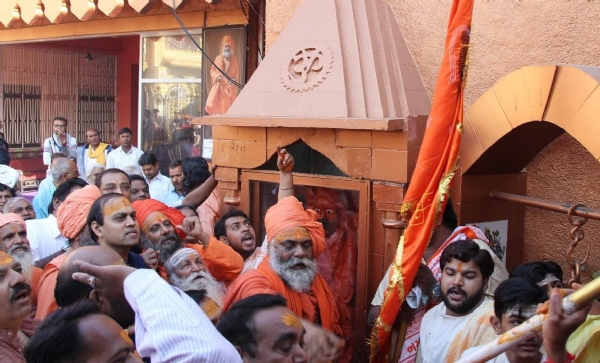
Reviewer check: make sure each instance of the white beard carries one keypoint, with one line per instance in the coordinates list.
(26, 261)
(298, 280)
(214, 289)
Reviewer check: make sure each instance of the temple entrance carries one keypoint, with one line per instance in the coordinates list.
(533, 134)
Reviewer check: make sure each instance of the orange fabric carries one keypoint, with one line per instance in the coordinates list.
(71, 215)
(36, 274)
(45, 288)
(266, 281)
(289, 213)
(8, 218)
(143, 209)
(223, 263)
(430, 183)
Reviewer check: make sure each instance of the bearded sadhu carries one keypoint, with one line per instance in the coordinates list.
(222, 92)
(338, 263)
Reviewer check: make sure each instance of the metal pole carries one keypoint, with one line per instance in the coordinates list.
(544, 204)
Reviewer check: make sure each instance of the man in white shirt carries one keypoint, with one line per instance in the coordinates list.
(169, 325)
(43, 234)
(126, 154)
(160, 185)
(59, 142)
(175, 197)
(466, 270)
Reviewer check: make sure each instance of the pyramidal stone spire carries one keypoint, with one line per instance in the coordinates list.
(336, 59)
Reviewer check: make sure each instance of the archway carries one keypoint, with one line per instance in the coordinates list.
(508, 126)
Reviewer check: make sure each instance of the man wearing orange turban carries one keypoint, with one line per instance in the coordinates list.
(13, 241)
(71, 219)
(295, 240)
(166, 230)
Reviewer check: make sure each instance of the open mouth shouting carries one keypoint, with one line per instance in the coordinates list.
(248, 240)
(456, 294)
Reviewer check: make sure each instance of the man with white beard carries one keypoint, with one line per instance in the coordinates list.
(186, 271)
(13, 240)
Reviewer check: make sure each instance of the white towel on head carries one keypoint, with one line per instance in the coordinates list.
(8, 176)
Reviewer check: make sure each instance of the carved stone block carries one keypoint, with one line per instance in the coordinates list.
(111, 7)
(31, 11)
(9, 12)
(55, 10)
(83, 9)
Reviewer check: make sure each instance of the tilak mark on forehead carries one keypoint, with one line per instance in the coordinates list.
(115, 205)
(293, 234)
(289, 319)
(153, 218)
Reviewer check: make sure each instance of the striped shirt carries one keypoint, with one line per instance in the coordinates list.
(170, 326)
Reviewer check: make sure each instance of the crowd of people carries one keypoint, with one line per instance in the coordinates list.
(129, 265)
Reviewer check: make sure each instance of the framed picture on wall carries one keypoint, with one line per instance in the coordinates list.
(227, 48)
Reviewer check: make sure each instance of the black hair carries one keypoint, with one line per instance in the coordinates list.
(517, 293)
(97, 212)
(64, 189)
(220, 230)
(237, 325)
(449, 218)
(466, 251)
(4, 187)
(175, 163)
(148, 159)
(59, 118)
(58, 338)
(133, 177)
(195, 172)
(187, 206)
(125, 130)
(537, 271)
(98, 180)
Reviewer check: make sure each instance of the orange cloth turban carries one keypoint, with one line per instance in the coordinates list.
(71, 215)
(289, 213)
(8, 218)
(143, 209)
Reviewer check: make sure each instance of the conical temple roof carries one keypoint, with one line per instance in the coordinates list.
(335, 60)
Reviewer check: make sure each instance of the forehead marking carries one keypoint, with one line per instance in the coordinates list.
(289, 319)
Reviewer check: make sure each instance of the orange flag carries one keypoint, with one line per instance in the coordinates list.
(429, 186)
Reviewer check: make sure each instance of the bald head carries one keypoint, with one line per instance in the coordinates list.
(69, 291)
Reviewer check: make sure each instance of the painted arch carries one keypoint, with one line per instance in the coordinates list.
(525, 111)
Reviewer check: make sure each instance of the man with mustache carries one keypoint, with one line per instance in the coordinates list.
(164, 229)
(15, 307)
(21, 206)
(466, 270)
(14, 242)
(186, 271)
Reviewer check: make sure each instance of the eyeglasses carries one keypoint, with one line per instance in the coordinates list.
(61, 126)
(111, 188)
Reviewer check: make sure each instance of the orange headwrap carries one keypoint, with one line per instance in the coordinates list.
(289, 213)
(71, 215)
(145, 207)
(8, 218)
(227, 40)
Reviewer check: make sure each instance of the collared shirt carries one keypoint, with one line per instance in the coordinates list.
(11, 350)
(437, 332)
(43, 197)
(120, 159)
(44, 237)
(160, 187)
(53, 145)
(173, 199)
(164, 331)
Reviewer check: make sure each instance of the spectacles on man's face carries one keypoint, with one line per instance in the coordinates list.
(62, 126)
(111, 188)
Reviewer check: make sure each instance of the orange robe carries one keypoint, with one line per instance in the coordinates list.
(266, 281)
(36, 274)
(223, 263)
(222, 92)
(45, 288)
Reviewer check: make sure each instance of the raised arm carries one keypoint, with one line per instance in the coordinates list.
(285, 164)
(200, 194)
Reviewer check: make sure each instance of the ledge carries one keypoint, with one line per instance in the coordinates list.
(294, 122)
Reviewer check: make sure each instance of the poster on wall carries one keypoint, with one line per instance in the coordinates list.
(497, 233)
(227, 48)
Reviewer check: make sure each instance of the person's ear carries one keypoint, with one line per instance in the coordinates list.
(224, 240)
(486, 283)
(97, 228)
(496, 324)
(56, 203)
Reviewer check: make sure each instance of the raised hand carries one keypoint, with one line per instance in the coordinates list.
(285, 160)
(193, 227)
(151, 258)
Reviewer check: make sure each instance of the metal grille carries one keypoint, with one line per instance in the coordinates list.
(40, 84)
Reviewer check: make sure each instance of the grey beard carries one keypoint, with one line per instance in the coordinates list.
(226, 53)
(166, 249)
(298, 280)
(26, 261)
(214, 289)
